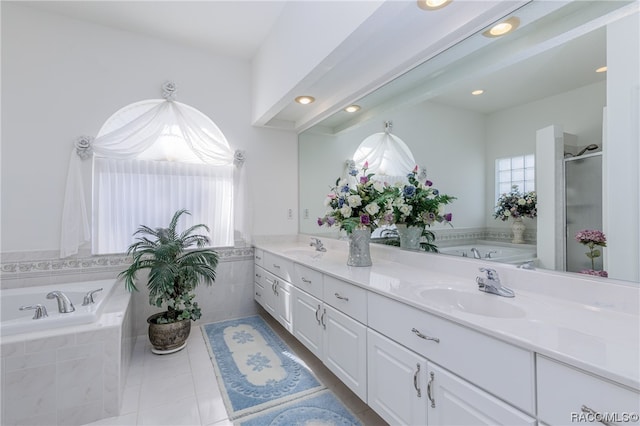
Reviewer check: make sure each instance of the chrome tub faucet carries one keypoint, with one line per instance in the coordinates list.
(476, 253)
(315, 242)
(491, 284)
(64, 304)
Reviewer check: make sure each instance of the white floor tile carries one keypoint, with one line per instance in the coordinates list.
(182, 412)
(156, 393)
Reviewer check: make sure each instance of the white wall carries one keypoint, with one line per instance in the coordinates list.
(62, 78)
(512, 131)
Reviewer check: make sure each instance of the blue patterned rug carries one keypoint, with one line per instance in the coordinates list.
(256, 370)
(321, 408)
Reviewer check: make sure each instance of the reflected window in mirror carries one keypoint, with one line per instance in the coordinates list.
(518, 171)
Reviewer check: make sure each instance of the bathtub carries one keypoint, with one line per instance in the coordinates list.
(511, 253)
(65, 368)
(14, 321)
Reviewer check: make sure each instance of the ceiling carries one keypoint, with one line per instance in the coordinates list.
(230, 28)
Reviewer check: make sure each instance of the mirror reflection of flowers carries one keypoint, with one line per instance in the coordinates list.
(516, 204)
(355, 204)
(592, 238)
(417, 202)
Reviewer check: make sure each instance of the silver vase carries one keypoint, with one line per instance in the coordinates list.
(409, 236)
(359, 254)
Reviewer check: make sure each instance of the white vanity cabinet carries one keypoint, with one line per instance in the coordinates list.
(567, 395)
(273, 288)
(335, 338)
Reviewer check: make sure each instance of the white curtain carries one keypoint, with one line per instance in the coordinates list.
(124, 138)
(388, 156)
(127, 193)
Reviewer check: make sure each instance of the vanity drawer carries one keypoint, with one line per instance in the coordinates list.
(502, 369)
(278, 266)
(347, 298)
(308, 280)
(259, 274)
(563, 391)
(258, 256)
(258, 293)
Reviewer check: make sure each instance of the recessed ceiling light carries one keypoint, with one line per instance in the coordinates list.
(502, 28)
(352, 108)
(477, 92)
(602, 69)
(432, 4)
(305, 100)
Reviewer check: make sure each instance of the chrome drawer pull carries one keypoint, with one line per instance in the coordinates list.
(258, 294)
(276, 266)
(317, 313)
(258, 257)
(346, 299)
(429, 385)
(322, 319)
(259, 276)
(422, 336)
(306, 280)
(415, 380)
(275, 288)
(594, 415)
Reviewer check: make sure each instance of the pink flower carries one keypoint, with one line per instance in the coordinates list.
(366, 165)
(602, 274)
(587, 236)
(415, 169)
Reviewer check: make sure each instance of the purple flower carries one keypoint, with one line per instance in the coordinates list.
(448, 217)
(364, 179)
(428, 183)
(320, 221)
(345, 188)
(365, 219)
(587, 236)
(603, 274)
(331, 220)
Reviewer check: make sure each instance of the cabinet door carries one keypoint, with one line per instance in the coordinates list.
(283, 307)
(454, 401)
(269, 295)
(396, 381)
(345, 349)
(307, 327)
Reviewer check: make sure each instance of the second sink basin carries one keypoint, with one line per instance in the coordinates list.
(306, 254)
(479, 303)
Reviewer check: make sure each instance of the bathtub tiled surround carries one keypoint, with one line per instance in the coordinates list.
(72, 375)
(38, 369)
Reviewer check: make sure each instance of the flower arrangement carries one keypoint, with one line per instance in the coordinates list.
(592, 239)
(417, 203)
(356, 205)
(516, 204)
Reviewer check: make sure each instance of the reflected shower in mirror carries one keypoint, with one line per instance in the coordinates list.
(540, 77)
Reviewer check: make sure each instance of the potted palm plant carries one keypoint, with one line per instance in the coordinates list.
(174, 272)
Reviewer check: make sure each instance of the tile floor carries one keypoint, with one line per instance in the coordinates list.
(181, 388)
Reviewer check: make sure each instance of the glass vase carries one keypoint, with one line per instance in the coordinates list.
(359, 254)
(409, 236)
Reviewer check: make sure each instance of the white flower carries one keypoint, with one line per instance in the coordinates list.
(522, 201)
(405, 209)
(378, 186)
(507, 213)
(354, 200)
(327, 201)
(372, 209)
(345, 211)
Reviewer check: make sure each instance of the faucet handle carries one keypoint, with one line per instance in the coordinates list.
(491, 274)
(88, 298)
(41, 310)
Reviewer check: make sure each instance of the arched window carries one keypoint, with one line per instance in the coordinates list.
(150, 159)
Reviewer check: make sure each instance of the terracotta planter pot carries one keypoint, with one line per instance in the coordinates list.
(168, 338)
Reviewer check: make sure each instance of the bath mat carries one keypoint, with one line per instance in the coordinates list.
(321, 408)
(255, 368)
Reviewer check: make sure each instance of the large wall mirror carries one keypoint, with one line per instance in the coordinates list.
(539, 82)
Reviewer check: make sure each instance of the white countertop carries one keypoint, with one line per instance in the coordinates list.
(590, 323)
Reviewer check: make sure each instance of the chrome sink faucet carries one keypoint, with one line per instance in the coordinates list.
(491, 284)
(315, 242)
(64, 304)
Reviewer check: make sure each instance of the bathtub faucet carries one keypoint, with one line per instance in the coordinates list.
(88, 298)
(64, 304)
(41, 310)
(476, 253)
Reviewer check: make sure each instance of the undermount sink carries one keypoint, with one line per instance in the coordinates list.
(304, 253)
(479, 303)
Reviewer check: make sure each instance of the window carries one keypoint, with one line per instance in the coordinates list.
(148, 185)
(518, 171)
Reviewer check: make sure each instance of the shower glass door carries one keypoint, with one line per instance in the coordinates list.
(583, 181)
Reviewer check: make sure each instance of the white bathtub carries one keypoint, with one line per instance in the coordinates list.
(14, 321)
(494, 252)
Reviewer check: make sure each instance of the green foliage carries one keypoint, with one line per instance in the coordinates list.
(174, 271)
